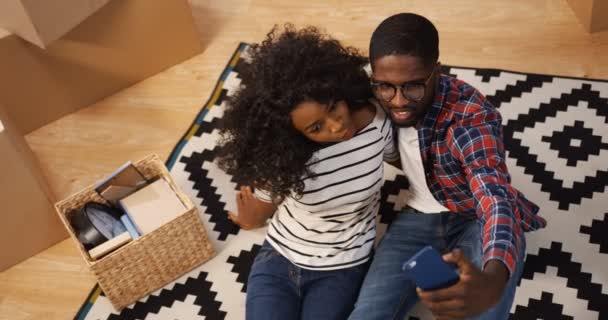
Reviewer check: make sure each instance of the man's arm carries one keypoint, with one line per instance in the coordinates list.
(477, 144)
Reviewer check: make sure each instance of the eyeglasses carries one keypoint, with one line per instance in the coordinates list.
(411, 91)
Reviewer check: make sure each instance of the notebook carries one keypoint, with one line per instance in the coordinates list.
(152, 206)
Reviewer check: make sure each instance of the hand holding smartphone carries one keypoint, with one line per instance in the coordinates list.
(428, 270)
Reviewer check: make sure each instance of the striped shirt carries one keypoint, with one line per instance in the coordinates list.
(332, 225)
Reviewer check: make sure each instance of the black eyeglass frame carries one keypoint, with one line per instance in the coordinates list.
(404, 88)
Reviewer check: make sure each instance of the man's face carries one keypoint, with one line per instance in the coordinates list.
(404, 86)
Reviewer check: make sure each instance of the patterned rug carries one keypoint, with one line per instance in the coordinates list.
(556, 134)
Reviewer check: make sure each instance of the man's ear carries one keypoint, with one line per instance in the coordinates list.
(437, 72)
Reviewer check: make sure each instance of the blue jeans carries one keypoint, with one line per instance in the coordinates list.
(387, 294)
(278, 289)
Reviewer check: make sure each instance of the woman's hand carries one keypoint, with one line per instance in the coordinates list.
(252, 213)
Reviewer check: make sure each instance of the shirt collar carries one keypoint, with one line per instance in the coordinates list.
(441, 92)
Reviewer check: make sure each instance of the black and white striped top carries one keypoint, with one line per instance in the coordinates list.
(332, 226)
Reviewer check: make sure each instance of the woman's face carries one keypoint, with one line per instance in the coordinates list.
(323, 123)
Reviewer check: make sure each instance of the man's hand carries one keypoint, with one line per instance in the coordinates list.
(475, 292)
(248, 206)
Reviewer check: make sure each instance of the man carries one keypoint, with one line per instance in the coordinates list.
(461, 202)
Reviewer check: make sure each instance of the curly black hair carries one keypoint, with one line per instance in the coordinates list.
(260, 146)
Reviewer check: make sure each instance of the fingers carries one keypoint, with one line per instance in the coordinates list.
(246, 192)
(446, 307)
(458, 258)
(233, 217)
(454, 256)
(245, 202)
(243, 196)
(445, 303)
(456, 291)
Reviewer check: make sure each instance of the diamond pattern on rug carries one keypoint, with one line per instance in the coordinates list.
(561, 172)
(597, 233)
(544, 308)
(210, 198)
(556, 136)
(197, 287)
(242, 264)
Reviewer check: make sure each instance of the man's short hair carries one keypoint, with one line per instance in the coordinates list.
(405, 34)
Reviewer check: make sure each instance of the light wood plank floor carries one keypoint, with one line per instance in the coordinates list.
(541, 36)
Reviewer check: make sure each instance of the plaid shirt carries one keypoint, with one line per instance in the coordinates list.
(462, 148)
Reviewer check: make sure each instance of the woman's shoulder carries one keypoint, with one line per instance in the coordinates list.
(379, 118)
(365, 116)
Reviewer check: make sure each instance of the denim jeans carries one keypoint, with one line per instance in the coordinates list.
(387, 294)
(278, 289)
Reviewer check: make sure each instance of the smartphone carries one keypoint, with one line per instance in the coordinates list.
(428, 270)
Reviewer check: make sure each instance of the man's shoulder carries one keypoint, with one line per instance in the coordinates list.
(463, 101)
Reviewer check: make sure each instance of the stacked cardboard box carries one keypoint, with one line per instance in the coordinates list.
(28, 220)
(122, 43)
(41, 21)
(593, 14)
(102, 46)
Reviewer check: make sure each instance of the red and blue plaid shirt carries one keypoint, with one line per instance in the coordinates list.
(462, 148)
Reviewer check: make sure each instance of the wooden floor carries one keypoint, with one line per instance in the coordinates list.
(540, 36)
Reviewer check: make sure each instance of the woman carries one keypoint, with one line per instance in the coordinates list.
(303, 132)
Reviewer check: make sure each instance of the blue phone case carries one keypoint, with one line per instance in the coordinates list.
(428, 270)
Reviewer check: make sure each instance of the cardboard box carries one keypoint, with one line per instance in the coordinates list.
(29, 222)
(119, 45)
(42, 21)
(593, 14)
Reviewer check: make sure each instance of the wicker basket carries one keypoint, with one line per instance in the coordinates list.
(151, 261)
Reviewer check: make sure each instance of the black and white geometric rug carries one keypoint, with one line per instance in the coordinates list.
(556, 133)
